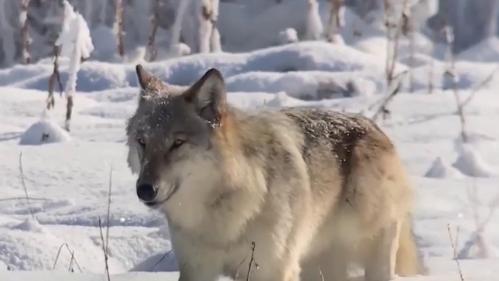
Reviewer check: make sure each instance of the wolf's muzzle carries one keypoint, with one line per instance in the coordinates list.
(146, 192)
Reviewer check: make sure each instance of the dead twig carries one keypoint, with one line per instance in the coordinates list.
(383, 103)
(160, 260)
(24, 198)
(72, 260)
(108, 218)
(54, 77)
(394, 30)
(104, 250)
(455, 253)
(479, 87)
(21, 172)
(252, 260)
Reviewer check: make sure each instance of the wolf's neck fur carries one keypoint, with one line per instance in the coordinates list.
(250, 144)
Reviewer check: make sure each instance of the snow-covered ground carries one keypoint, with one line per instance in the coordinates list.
(68, 182)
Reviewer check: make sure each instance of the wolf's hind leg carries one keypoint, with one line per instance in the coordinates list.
(382, 254)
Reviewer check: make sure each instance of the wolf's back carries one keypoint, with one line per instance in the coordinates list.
(337, 132)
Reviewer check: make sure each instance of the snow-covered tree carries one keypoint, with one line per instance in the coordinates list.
(152, 51)
(314, 28)
(472, 21)
(7, 37)
(76, 44)
(215, 39)
(209, 37)
(177, 25)
(336, 21)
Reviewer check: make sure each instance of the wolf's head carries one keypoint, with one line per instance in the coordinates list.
(170, 136)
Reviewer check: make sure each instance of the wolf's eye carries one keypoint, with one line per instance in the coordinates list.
(177, 143)
(141, 142)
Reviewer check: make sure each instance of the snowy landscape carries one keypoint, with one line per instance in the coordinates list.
(429, 83)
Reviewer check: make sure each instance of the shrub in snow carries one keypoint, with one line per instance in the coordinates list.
(44, 131)
(441, 169)
(76, 44)
(289, 35)
(470, 163)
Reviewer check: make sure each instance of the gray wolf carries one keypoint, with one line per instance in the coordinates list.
(316, 192)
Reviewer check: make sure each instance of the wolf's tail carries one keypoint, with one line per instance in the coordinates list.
(409, 261)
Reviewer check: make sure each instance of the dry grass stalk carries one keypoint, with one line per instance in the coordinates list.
(72, 261)
(54, 77)
(105, 249)
(252, 261)
(21, 173)
(458, 264)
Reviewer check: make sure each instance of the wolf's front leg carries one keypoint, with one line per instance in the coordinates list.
(195, 261)
(381, 260)
(197, 266)
(194, 271)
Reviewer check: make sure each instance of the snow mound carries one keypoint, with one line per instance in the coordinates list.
(302, 56)
(442, 170)
(31, 225)
(470, 163)
(281, 99)
(306, 85)
(44, 131)
(289, 35)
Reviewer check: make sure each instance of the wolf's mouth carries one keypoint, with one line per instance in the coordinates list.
(173, 190)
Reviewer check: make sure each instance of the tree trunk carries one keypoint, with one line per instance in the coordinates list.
(152, 51)
(472, 21)
(335, 22)
(25, 38)
(54, 78)
(118, 26)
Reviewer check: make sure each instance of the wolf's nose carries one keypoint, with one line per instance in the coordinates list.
(146, 192)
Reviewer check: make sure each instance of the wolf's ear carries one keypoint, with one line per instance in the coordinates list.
(208, 96)
(149, 83)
